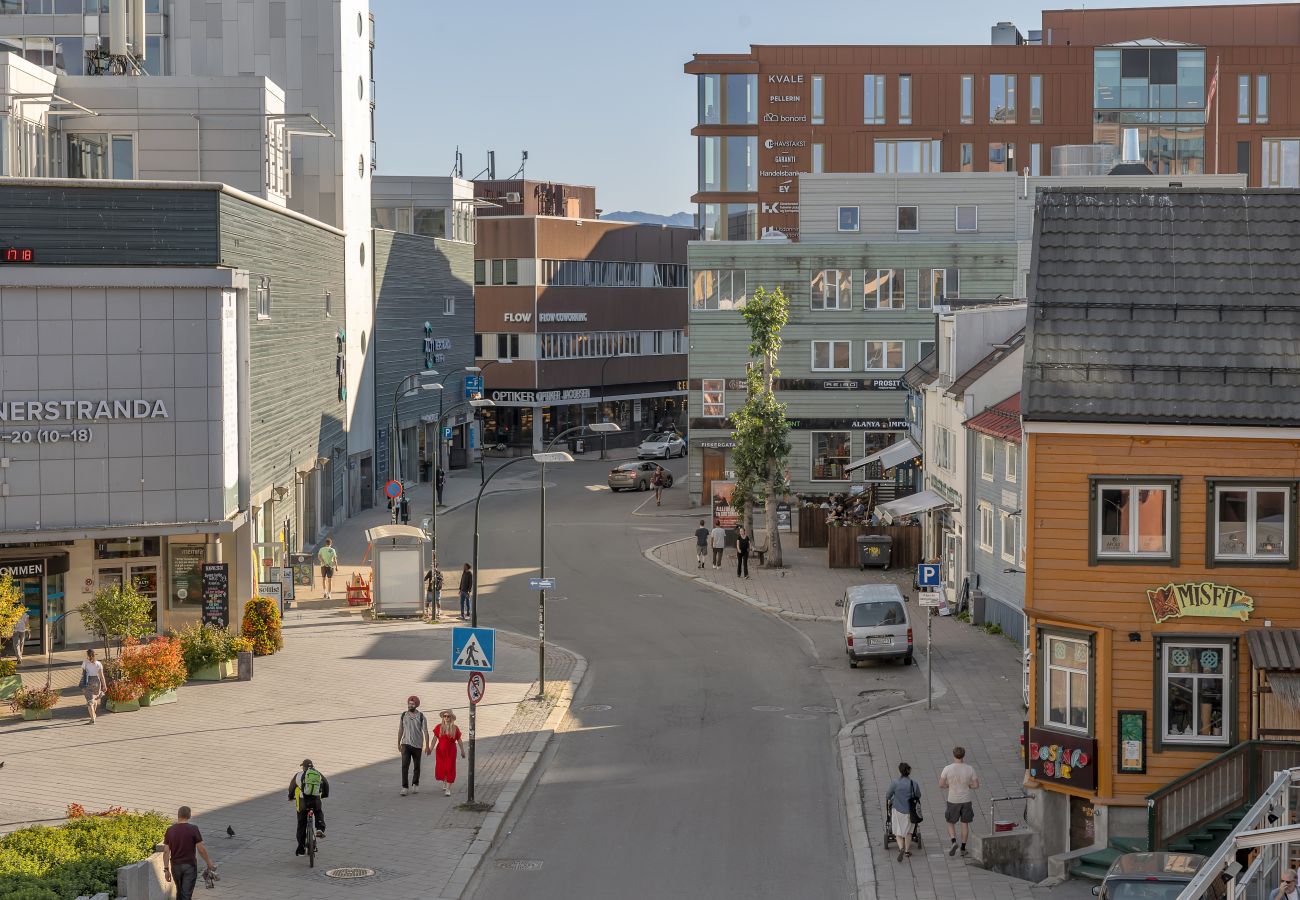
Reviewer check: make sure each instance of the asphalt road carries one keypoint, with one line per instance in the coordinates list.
(688, 785)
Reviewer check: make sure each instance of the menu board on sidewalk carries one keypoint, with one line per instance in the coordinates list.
(186, 567)
(216, 594)
(303, 569)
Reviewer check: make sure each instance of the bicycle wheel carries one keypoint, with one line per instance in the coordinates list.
(311, 851)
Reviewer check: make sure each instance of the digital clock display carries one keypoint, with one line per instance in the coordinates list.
(17, 255)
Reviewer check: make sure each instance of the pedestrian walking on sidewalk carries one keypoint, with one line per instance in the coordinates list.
(447, 736)
(960, 780)
(701, 544)
(657, 482)
(20, 635)
(718, 541)
(1287, 887)
(433, 589)
(182, 846)
(328, 558)
(901, 800)
(742, 552)
(466, 585)
(92, 683)
(440, 482)
(412, 740)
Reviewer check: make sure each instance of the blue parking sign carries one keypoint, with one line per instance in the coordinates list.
(928, 575)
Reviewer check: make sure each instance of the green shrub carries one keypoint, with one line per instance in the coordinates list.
(8, 667)
(204, 645)
(79, 858)
(991, 628)
(262, 626)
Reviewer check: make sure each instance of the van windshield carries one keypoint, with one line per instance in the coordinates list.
(871, 615)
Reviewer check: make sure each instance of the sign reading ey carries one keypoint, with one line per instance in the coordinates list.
(1200, 598)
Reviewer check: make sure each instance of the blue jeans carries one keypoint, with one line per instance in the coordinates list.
(185, 876)
(464, 604)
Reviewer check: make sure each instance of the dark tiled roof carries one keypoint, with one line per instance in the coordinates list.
(924, 372)
(1165, 306)
(958, 387)
(1000, 421)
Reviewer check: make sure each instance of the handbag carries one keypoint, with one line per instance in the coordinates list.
(914, 807)
(84, 678)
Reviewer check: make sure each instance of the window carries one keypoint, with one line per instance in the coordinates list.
(603, 273)
(728, 99)
(717, 289)
(830, 455)
(713, 398)
(512, 271)
(1281, 162)
(261, 288)
(448, 305)
(498, 271)
(601, 344)
(1195, 700)
(1261, 99)
(430, 222)
(1035, 99)
(967, 99)
(100, 156)
(480, 271)
(1252, 523)
(1002, 99)
(907, 218)
(832, 289)
(987, 457)
(1002, 157)
(1243, 157)
(1012, 470)
(908, 157)
(884, 356)
(886, 291)
(966, 163)
(831, 356)
(986, 527)
(945, 448)
(938, 285)
(1035, 159)
(818, 158)
(728, 221)
(904, 99)
(1243, 99)
(728, 163)
(818, 100)
(1010, 536)
(478, 346)
(1134, 520)
(507, 346)
(1066, 688)
(924, 349)
(968, 218)
(873, 103)
(849, 218)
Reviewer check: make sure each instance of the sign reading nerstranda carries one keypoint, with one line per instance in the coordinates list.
(65, 410)
(1200, 598)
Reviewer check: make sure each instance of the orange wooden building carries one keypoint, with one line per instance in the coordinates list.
(1162, 429)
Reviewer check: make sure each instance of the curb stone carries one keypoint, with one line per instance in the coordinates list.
(491, 827)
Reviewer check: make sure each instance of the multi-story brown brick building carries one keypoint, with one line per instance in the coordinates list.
(1086, 78)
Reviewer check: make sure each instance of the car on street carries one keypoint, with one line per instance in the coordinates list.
(636, 476)
(876, 624)
(1155, 876)
(664, 445)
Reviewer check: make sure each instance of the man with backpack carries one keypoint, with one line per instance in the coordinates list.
(307, 788)
(412, 739)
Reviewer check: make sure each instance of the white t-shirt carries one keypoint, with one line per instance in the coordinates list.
(718, 538)
(93, 669)
(959, 777)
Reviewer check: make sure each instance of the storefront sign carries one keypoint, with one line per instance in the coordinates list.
(781, 173)
(562, 317)
(216, 594)
(724, 514)
(186, 572)
(785, 79)
(771, 144)
(1200, 598)
(23, 568)
(517, 317)
(779, 208)
(272, 590)
(714, 443)
(1063, 758)
(63, 410)
(815, 424)
(1132, 741)
(541, 396)
(769, 118)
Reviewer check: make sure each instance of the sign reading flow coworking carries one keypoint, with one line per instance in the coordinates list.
(1200, 598)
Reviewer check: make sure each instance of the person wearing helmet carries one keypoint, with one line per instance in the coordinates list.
(412, 740)
(307, 789)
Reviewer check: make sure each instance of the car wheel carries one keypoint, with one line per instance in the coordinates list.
(668, 482)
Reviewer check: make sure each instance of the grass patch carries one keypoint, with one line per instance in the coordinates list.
(78, 858)
(991, 628)
(476, 806)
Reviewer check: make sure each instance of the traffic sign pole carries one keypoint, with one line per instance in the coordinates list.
(929, 660)
(473, 709)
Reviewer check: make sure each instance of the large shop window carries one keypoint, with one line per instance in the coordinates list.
(713, 398)
(1067, 690)
(1252, 523)
(1134, 520)
(830, 455)
(832, 289)
(717, 289)
(1196, 691)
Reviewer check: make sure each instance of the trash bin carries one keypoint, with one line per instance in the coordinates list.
(579, 446)
(874, 550)
(575, 445)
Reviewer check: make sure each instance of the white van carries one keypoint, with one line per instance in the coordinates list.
(876, 624)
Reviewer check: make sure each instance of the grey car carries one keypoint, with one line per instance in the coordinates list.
(876, 624)
(636, 476)
(1155, 876)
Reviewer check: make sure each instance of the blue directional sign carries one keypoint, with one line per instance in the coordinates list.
(473, 386)
(928, 575)
(541, 584)
(473, 649)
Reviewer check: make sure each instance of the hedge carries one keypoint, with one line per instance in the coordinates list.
(78, 858)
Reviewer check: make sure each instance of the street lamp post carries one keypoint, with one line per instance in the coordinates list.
(395, 452)
(433, 515)
(500, 361)
(602, 399)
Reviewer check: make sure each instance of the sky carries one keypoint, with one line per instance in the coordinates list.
(594, 89)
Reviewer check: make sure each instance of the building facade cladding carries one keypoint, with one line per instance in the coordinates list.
(193, 339)
(996, 519)
(768, 115)
(619, 333)
(424, 319)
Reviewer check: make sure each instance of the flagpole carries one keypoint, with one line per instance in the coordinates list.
(1216, 119)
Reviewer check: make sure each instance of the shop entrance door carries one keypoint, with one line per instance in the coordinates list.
(33, 588)
(1083, 832)
(714, 469)
(144, 575)
(367, 482)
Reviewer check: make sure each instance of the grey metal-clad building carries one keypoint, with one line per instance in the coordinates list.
(995, 477)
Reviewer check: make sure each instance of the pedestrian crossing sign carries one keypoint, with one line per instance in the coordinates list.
(473, 649)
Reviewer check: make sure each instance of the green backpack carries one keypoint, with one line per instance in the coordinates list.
(311, 781)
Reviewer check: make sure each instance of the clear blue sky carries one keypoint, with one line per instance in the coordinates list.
(594, 89)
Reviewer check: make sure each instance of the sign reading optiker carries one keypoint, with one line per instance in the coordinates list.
(63, 410)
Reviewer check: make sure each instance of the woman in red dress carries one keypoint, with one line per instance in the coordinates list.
(447, 738)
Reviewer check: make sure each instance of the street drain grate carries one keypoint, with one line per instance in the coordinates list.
(802, 716)
(349, 873)
(520, 865)
(596, 707)
(819, 709)
(769, 709)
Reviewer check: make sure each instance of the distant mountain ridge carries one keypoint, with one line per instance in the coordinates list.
(681, 219)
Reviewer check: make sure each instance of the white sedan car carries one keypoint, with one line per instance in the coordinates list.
(664, 445)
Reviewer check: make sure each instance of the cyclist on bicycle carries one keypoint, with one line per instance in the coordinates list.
(306, 789)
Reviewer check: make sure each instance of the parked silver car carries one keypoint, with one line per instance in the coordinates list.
(1155, 876)
(664, 445)
(636, 476)
(876, 624)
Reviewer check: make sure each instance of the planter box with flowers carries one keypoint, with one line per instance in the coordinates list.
(10, 680)
(123, 695)
(209, 652)
(34, 703)
(262, 626)
(155, 665)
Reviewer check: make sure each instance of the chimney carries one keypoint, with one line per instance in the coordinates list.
(1132, 162)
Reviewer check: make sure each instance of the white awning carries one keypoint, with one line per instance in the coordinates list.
(891, 456)
(906, 506)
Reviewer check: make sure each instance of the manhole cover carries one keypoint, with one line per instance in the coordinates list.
(799, 716)
(520, 865)
(819, 709)
(596, 707)
(769, 708)
(649, 595)
(349, 873)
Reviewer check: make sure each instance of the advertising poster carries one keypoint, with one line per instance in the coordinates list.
(724, 513)
(186, 573)
(1132, 741)
(303, 569)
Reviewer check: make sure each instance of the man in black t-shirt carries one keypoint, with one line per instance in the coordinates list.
(701, 544)
(180, 864)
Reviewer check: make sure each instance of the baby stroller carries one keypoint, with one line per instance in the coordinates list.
(889, 832)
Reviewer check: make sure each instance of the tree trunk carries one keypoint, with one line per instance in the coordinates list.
(769, 488)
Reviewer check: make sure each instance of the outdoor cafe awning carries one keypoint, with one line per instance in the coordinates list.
(906, 506)
(1277, 652)
(893, 455)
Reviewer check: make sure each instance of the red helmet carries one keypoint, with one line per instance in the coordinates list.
(413, 699)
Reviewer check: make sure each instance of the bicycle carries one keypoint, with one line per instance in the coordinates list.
(311, 838)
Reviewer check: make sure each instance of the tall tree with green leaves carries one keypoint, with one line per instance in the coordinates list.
(12, 605)
(760, 429)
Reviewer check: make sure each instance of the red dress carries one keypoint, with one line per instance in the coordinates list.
(444, 755)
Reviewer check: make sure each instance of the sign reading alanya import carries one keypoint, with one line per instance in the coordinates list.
(80, 410)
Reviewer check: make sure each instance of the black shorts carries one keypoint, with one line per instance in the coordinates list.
(327, 571)
(959, 812)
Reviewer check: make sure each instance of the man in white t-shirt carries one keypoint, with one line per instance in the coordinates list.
(718, 543)
(960, 781)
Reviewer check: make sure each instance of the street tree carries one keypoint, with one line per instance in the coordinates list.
(12, 605)
(116, 612)
(760, 431)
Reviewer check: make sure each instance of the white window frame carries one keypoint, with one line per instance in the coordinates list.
(842, 290)
(817, 115)
(1226, 665)
(718, 387)
(1011, 470)
(883, 297)
(988, 458)
(887, 347)
(873, 86)
(1007, 519)
(857, 219)
(898, 212)
(956, 217)
(260, 285)
(1252, 492)
(967, 100)
(1048, 667)
(812, 361)
(922, 351)
(1132, 552)
(985, 536)
(904, 99)
(448, 305)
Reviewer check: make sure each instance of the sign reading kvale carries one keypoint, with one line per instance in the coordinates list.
(1200, 598)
